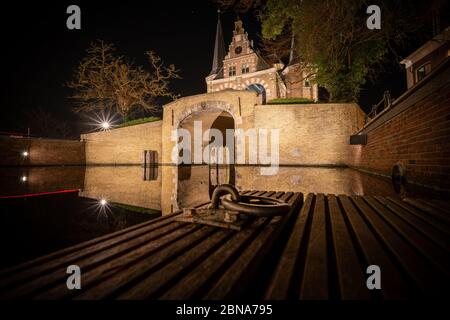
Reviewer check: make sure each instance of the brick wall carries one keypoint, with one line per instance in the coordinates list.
(122, 145)
(312, 134)
(415, 133)
(41, 152)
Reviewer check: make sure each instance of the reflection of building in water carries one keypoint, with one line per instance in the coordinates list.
(122, 185)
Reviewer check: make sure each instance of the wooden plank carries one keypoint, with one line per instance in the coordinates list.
(193, 282)
(445, 218)
(132, 271)
(101, 260)
(314, 283)
(435, 223)
(190, 285)
(415, 266)
(352, 283)
(394, 284)
(282, 283)
(439, 206)
(116, 243)
(154, 282)
(424, 245)
(65, 251)
(426, 229)
(173, 271)
(243, 272)
(278, 194)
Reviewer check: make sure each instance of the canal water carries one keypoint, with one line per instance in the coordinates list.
(43, 209)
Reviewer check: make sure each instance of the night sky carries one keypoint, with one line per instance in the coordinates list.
(39, 53)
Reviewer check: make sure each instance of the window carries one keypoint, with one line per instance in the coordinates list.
(423, 71)
(307, 83)
(245, 68)
(232, 71)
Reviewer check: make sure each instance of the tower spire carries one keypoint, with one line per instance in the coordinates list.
(291, 53)
(219, 48)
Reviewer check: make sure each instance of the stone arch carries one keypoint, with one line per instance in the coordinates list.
(207, 105)
(188, 111)
(260, 82)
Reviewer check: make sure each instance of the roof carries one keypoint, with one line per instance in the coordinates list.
(430, 46)
(219, 49)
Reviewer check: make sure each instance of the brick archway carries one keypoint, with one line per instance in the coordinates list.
(207, 106)
(184, 115)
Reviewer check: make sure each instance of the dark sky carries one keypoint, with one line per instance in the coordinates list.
(39, 52)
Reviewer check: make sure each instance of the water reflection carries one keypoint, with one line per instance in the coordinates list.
(171, 188)
(124, 185)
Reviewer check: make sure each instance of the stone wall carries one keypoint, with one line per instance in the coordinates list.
(414, 132)
(123, 146)
(41, 152)
(312, 134)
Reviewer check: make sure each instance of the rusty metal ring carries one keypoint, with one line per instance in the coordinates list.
(270, 207)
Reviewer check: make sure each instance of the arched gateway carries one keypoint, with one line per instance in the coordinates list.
(221, 110)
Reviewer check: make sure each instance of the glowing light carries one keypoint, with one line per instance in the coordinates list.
(103, 202)
(25, 153)
(106, 125)
(103, 121)
(24, 178)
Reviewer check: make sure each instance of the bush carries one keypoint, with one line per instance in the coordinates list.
(290, 101)
(138, 121)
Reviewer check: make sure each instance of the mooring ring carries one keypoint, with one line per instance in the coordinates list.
(270, 207)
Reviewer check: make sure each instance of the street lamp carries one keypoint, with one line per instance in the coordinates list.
(106, 125)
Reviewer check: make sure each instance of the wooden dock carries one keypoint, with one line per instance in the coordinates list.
(320, 250)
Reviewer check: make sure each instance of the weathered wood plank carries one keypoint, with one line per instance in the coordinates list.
(132, 270)
(424, 245)
(435, 223)
(352, 283)
(439, 206)
(394, 284)
(282, 283)
(193, 282)
(156, 281)
(101, 261)
(443, 217)
(65, 251)
(107, 247)
(244, 270)
(314, 284)
(426, 229)
(416, 267)
(189, 285)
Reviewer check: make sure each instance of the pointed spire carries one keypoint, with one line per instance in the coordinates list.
(219, 48)
(291, 54)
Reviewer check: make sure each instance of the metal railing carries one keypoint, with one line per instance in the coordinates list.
(385, 103)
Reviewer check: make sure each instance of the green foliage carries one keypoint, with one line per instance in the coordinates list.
(290, 101)
(138, 121)
(332, 37)
(128, 207)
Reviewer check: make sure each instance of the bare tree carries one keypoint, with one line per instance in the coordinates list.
(105, 81)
